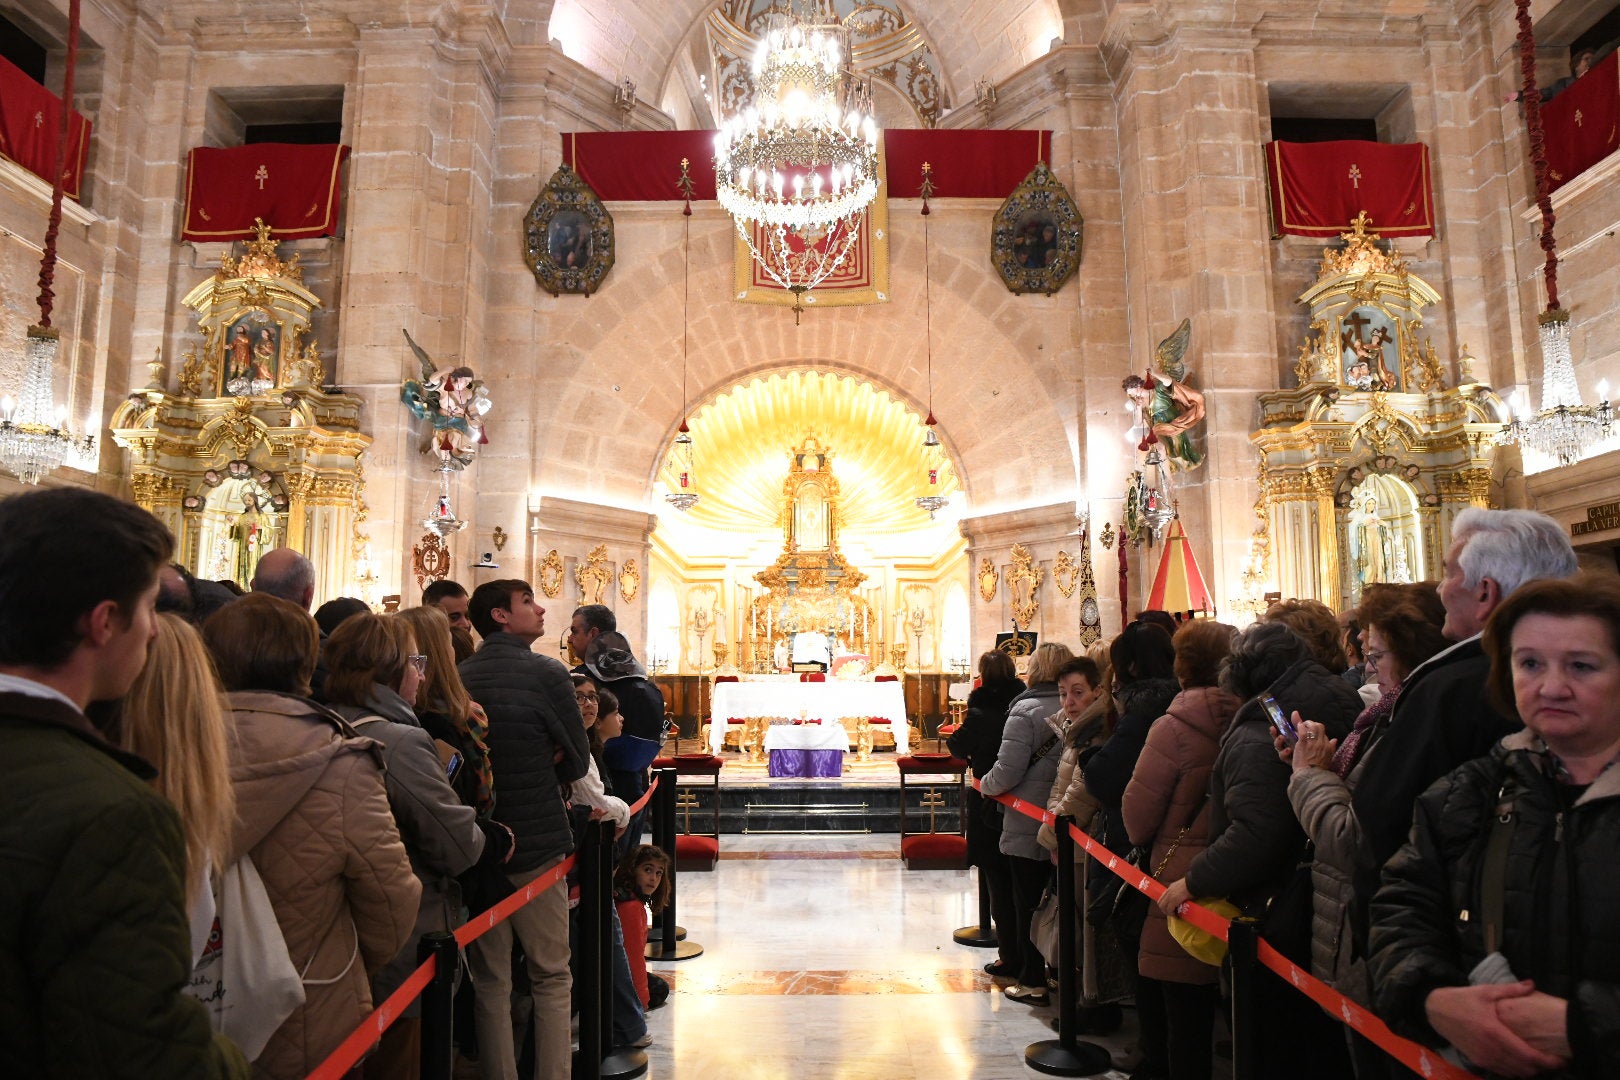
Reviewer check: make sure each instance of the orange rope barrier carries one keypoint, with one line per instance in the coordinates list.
(363, 1038)
(1422, 1059)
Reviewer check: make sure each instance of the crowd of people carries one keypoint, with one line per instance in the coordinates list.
(227, 822)
(1414, 799)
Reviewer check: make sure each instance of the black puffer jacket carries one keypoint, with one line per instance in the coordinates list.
(1109, 769)
(1254, 838)
(1563, 876)
(979, 738)
(532, 714)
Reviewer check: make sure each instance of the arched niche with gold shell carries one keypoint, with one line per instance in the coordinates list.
(234, 474)
(1366, 461)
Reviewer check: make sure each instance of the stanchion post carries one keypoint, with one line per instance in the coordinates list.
(1243, 947)
(618, 1062)
(1067, 1055)
(588, 955)
(438, 1052)
(667, 947)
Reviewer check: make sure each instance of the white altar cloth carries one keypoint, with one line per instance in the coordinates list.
(829, 735)
(832, 700)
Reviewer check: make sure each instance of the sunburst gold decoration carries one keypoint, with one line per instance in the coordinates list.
(749, 434)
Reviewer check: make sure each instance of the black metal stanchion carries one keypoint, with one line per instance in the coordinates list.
(438, 1051)
(983, 935)
(1243, 947)
(587, 954)
(667, 947)
(1067, 1055)
(618, 1062)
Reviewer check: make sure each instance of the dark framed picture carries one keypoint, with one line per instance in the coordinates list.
(1036, 237)
(568, 236)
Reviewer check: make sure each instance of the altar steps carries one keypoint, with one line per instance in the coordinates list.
(808, 807)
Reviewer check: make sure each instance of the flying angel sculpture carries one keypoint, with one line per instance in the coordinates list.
(454, 401)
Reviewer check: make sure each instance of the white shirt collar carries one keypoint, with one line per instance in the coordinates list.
(16, 684)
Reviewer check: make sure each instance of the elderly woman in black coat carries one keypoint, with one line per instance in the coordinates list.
(1256, 845)
(977, 742)
(1494, 929)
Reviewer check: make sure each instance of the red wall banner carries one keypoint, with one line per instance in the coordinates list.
(1583, 122)
(294, 188)
(1317, 189)
(646, 165)
(30, 120)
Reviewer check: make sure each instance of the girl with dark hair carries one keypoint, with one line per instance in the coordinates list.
(642, 884)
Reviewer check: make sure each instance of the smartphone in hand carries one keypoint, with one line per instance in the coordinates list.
(1279, 719)
(452, 767)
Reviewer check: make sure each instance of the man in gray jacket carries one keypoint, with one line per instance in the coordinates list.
(536, 740)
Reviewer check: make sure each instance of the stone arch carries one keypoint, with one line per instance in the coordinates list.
(999, 392)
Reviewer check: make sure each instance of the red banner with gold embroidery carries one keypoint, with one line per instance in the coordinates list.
(30, 125)
(1583, 122)
(1317, 189)
(294, 188)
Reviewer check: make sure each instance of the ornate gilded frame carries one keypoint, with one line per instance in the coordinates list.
(988, 577)
(1066, 574)
(593, 577)
(629, 581)
(430, 559)
(551, 574)
(1024, 582)
(568, 236)
(1035, 239)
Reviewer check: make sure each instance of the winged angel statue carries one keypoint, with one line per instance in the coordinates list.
(454, 401)
(1170, 408)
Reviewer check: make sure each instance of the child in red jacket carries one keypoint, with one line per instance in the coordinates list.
(642, 883)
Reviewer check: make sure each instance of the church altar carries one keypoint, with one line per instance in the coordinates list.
(834, 700)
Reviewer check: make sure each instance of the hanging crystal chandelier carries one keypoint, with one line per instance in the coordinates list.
(801, 161)
(34, 435)
(1566, 427)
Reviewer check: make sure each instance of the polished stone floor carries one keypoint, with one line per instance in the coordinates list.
(825, 959)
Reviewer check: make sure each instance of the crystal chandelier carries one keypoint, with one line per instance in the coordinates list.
(801, 161)
(34, 436)
(1565, 428)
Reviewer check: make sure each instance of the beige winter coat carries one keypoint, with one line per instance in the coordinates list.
(312, 811)
(1069, 795)
(1169, 791)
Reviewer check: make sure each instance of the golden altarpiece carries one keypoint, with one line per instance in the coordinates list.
(1366, 461)
(251, 453)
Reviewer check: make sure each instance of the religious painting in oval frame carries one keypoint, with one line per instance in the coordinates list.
(568, 236)
(1035, 239)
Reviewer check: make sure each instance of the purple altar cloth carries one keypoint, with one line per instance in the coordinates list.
(806, 763)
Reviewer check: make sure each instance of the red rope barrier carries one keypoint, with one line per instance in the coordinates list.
(363, 1038)
(1424, 1061)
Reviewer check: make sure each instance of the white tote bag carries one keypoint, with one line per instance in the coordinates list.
(245, 977)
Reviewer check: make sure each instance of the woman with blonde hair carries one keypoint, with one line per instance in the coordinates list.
(174, 718)
(447, 712)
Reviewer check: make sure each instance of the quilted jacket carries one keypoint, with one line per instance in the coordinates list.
(1558, 927)
(532, 716)
(1018, 771)
(1169, 792)
(312, 811)
(92, 912)
(441, 835)
(1254, 839)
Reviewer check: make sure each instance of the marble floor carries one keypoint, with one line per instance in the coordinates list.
(825, 959)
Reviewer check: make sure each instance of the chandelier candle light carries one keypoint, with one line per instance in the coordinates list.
(799, 162)
(1566, 428)
(683, 457)
(933, 498)
(34, 435)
